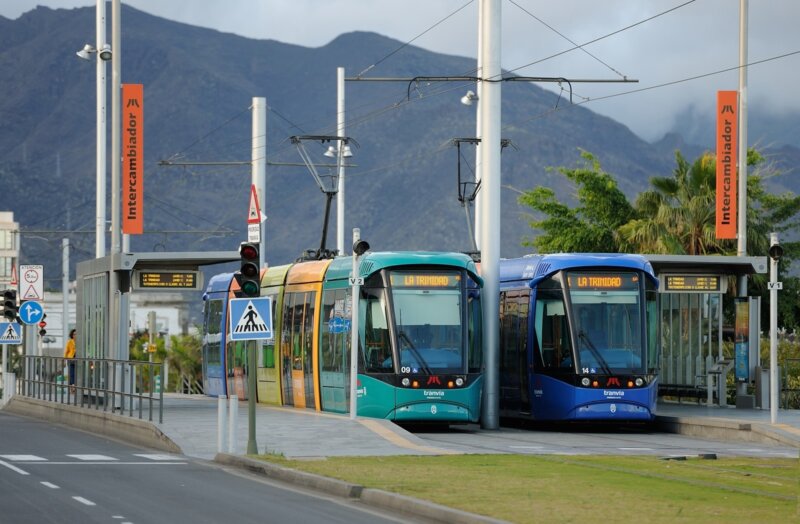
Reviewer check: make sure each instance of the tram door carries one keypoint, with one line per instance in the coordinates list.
(297, 349)
(268, 384)
(514, 370)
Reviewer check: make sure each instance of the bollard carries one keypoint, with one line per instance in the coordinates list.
(222, 416)
(9, 386)
(232, 425)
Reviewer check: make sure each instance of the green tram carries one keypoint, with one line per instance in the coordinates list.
(420, 345)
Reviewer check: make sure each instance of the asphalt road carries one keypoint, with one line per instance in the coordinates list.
(53, 474)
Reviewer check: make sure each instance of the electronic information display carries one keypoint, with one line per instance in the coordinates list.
(167, 280)
(692, 284)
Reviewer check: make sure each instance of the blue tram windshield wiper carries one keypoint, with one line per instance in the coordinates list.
(595, 352)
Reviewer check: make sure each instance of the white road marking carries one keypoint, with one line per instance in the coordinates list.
(92, 457)
(13, 468)
(23, 458)
(85, 501)
(49, 485)
(157, 456)
(635, 449)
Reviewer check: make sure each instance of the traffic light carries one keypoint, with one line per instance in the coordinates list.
(249, 275)
(43, 325)
(10, 305)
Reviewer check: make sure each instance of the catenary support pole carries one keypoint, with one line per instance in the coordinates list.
(100, 189)
(490, 206)
(340, 152)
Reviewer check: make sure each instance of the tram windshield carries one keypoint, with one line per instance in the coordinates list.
(606, 316)
(428, 318)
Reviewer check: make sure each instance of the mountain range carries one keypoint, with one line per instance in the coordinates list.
(199, 84)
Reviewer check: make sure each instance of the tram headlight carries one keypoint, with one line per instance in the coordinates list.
(585, 382)
(639, 382)
(405, 382)
(459, 382)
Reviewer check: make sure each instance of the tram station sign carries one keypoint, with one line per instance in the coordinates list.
(167, 280)
(687, 283)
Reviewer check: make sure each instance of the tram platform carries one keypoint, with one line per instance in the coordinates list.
(191, 424)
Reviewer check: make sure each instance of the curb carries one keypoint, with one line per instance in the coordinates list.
(397, 504)
(127, 429)
(723, 429)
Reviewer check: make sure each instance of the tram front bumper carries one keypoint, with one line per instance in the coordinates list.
(431, 411)
(621, 411)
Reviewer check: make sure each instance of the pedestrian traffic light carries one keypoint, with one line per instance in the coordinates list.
(249, 275)
(10, 305)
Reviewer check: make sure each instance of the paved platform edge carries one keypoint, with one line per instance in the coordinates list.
(727, 429)
(127, 429)
(398, 504)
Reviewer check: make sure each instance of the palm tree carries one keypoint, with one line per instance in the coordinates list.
(677, 215)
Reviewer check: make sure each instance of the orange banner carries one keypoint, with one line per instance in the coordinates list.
(727, 134)
(132, 158)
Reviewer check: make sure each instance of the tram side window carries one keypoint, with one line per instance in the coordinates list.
(652, 322)
(475, 332)
(308, 333)
(266, 357)
(376, 335)
(552, 333)
(287, 344)
(213, 321)
(335, 332)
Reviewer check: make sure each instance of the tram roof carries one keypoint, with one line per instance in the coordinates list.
(696, 264)
(371, 262)
(531, 267)
(218, 283)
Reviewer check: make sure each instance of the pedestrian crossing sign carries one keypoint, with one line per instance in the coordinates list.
(10, 333)
(251, 318)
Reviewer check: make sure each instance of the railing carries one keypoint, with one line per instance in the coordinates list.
(124, 386)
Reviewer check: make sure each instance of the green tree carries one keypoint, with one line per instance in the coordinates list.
(591, 227)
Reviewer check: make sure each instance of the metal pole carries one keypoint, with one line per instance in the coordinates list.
(116, 323)
(741, 246)
(354, 337)
(490, 221)
(116, 130)
(773, 334)
(258, 157)
(100, 189)
(340, 153)
(478, 129)
(252, 446)
(65, 289)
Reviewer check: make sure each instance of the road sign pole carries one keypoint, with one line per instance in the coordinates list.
(252, 447)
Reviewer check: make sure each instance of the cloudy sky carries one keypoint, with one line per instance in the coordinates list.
(656, 42)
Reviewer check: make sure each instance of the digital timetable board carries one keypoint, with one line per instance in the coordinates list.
(686, 283)
(167, 280)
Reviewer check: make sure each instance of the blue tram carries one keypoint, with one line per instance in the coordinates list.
(579, 338)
